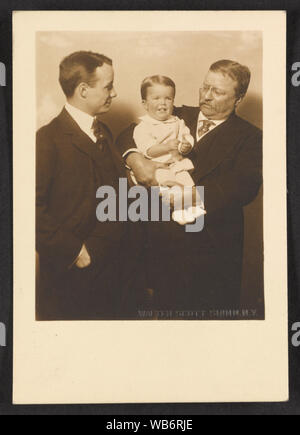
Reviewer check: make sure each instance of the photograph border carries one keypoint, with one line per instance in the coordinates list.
(248, 337)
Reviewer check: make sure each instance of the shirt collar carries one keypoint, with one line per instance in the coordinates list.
(217, 122)
(83, 119)
(149, 120)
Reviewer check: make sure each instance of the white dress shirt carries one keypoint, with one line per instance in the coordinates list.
(83, 119)
(202, 117)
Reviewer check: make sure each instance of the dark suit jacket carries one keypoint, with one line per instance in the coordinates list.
(69, 170)
(228, 160)
(228, 163)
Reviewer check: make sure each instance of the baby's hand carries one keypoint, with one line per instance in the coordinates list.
(185, 148)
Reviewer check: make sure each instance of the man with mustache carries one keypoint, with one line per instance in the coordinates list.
(228, 163)
(79, 256)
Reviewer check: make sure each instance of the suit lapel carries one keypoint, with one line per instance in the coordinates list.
(104, 168)
(190, 116)
(76, 136)
(214, 147)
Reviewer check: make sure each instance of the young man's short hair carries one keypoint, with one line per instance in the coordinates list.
(79, 67)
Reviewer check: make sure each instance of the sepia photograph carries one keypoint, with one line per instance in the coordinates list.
(159, 104)
(149, 165)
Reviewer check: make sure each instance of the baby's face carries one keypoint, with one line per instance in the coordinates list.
(159, 102)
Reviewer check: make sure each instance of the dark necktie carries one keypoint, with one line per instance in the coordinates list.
(105, 173)
(204, 127)
(99, 133)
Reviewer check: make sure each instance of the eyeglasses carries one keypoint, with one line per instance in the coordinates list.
(214, 91)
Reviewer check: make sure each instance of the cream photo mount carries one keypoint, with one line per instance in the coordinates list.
(155, 361)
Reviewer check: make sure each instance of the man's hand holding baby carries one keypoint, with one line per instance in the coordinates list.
(144, 169)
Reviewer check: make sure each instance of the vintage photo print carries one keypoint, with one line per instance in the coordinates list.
(149, 202)
(139, 263)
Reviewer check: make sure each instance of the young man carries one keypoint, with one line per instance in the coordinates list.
(81, 259)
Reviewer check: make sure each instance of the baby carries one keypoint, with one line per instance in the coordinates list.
(164, 138)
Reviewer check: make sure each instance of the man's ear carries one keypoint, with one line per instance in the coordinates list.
(239, 101)
(82, 90)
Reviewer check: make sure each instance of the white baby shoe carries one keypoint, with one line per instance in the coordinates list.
(187, 216)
